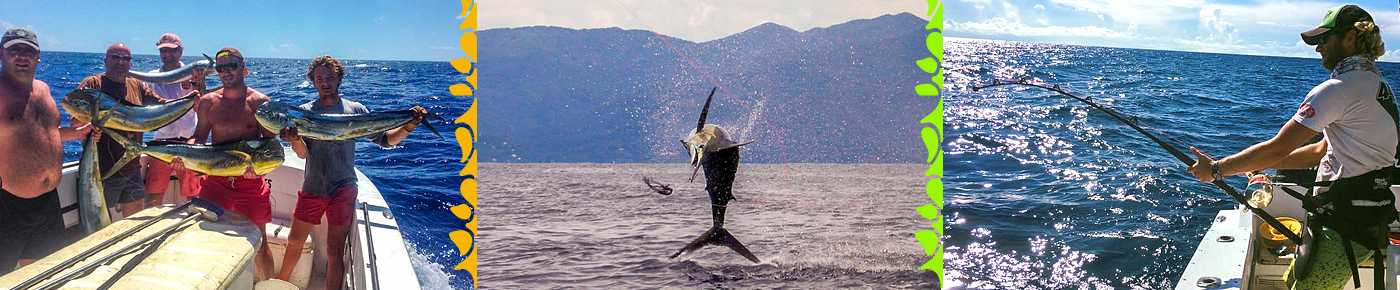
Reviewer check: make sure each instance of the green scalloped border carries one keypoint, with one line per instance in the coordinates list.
(930, 239)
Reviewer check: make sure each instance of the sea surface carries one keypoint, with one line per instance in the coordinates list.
(597, 226)
(1045, 192)
(418, 178)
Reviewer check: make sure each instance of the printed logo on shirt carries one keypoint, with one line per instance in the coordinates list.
(1306, 111)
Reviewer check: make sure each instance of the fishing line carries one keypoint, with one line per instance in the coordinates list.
(1133, 122)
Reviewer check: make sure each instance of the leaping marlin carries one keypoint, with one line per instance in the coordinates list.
(710, 147)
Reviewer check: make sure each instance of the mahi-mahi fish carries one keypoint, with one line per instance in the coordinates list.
(92, 203)
(275, 115)
(82, 105)
(181, 74)
(228, 159)
(710, 148)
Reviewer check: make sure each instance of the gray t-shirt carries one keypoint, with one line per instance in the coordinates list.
(330, 164)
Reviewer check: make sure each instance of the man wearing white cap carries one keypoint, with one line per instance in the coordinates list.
(158, 172)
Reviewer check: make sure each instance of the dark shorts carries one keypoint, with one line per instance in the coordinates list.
(124, 187)
(30, 228)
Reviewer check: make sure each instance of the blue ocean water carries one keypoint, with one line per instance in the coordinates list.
(418, 178)
(1044, 192)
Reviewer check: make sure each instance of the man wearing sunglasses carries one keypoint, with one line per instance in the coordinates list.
(125, 188)
(233, 107)
(1355, 111)
(158, 172)
(31, 156)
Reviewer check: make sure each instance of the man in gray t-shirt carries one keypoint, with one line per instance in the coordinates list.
(329, 187)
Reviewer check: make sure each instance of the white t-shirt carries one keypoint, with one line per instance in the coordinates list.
(1360, 135)
(183, 127)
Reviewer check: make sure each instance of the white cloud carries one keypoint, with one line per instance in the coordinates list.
(1212, 20)
(1039, 7)
(1003, 26)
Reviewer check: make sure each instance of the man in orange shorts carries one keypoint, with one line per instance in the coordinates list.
(329, 187)
(233, 108)
(158, 172)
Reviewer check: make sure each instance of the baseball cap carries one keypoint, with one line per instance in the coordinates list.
(1338, 19)
(229, 51)
(19, 36)
(233, 52)
(168, 40)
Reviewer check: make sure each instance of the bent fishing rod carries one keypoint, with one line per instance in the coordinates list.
(1268, 218)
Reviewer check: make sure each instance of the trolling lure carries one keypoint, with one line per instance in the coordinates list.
(1133, 122)
(663, 189)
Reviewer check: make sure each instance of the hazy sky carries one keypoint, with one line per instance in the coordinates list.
(697, 21)
(1263, 27)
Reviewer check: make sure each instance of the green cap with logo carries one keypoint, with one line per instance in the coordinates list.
(1339, 19)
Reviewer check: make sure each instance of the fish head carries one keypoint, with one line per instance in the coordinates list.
(81, 103)
(274, 116)
(708, 139)
(267, 155)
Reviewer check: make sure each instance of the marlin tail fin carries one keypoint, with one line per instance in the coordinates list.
(718, 236)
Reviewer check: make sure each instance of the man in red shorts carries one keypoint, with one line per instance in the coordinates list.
(233, 108)
(158, 172)
(329, 187)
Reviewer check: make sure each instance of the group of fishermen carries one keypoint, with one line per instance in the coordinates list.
(1351, 204)
(31, 222)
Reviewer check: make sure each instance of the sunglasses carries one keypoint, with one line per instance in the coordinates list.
(19, 50)
(226, 67)
(169, 50)
(119, 57)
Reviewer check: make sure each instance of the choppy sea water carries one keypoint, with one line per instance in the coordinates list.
(596, 226)
(1044, 192)
(418, 178)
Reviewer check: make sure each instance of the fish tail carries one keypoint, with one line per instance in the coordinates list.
(718, 236)
(133, 150)
(430, 126)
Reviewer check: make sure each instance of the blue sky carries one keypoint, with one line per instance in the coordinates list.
(382, 30)
(1262, 27)
(394, 30)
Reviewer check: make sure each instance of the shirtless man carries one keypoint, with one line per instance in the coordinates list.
(31, 156)
(233, 108)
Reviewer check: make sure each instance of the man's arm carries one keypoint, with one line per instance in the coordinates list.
(396, 135)
(1278, 149)
(1303, 158)
(74, 131)
(290, 135)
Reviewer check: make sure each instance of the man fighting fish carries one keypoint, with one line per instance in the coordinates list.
(710, 147)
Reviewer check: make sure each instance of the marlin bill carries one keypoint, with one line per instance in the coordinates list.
(275, 115)
(228, 159)
(125, 116)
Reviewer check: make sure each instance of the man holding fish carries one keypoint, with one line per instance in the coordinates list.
(31, 221)
(233, 107)
(158, 172)
(126, 187)
(329, 187)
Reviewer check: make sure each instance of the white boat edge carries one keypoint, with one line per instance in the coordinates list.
(372, 265)
(1230, 256)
